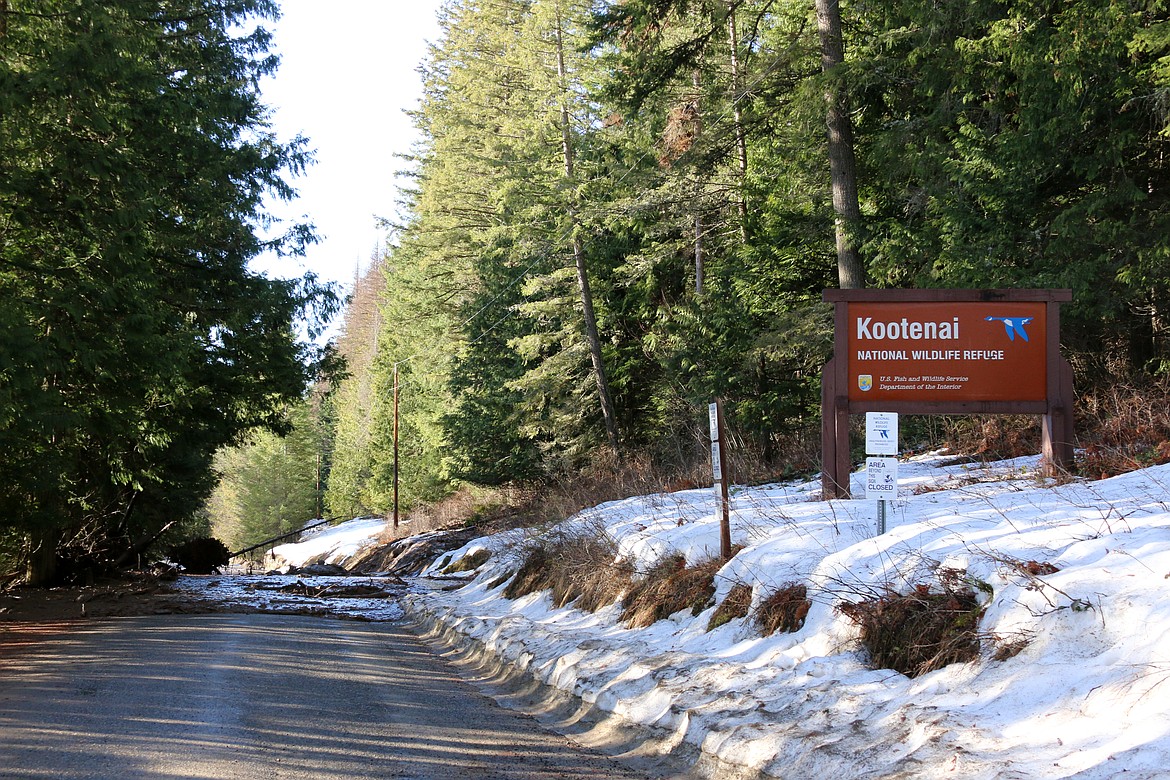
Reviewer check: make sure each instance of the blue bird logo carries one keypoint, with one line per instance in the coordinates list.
(1013, 325)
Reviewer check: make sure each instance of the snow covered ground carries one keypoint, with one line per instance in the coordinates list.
(1087, 697)
(335, 544)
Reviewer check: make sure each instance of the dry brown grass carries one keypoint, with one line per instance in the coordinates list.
(1009, 648)
(550, 502)
(989, 437)
(920, 631)
(668, 587)
(1119, 428)
(579, 569)
(1123, 429)
(469, 562)
(466, 506)
(784, 610)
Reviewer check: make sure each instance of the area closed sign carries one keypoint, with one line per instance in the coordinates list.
(881, 478)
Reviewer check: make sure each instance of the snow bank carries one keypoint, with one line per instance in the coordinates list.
(1083, 698)
(329, 544)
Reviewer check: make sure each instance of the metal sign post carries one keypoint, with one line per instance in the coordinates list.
(881, 483)
(881, 473)
(721, 479)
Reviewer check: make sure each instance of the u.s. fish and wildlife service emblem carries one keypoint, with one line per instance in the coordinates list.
(865, 382)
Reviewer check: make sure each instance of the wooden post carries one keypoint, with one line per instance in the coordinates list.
(834, 438)
(1057, 425)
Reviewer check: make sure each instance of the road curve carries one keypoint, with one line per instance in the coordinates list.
(261, 696)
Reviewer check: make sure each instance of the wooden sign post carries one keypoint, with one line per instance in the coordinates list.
(945, 352)
(722, 476)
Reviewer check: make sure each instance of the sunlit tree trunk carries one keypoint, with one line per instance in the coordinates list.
(591, 333)
(737, 116)
(842, 163)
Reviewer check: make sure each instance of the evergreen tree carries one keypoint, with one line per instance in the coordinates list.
(134, 157)
(1019, 146)
(270, 484)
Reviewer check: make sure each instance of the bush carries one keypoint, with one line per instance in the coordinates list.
(201, 556)
(668, 587)
(784, 610)
(735, 606)
(1123, 429)
(579, 568)
(469, 562)
(920, 631)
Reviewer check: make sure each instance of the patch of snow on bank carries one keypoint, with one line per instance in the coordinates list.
(333, 544)
(1084, 698)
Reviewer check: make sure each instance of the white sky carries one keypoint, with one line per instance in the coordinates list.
(348, 73)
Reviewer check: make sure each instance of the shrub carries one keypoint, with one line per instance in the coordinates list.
(735, 606)
(201, 556)
(784, 610)
(992, 437)
(668, 587)
(469, 562)
(1123, 428)
(920, 631)
(579, 568)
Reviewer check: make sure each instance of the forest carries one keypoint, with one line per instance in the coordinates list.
(619, 212)
(622, 211)
(135, 343)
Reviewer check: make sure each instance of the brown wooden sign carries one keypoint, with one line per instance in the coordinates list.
(945, 352)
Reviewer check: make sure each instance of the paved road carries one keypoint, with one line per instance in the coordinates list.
(260, 696)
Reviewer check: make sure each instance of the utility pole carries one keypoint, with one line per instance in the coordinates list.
(396, 447)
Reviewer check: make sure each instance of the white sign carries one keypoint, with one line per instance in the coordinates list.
(713, 412)
(717, 460)
(881, 433)
(881, 478)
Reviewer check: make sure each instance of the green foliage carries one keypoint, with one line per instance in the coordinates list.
(134, 159)
(1019, 145)
(999, 144)
(269, 485)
